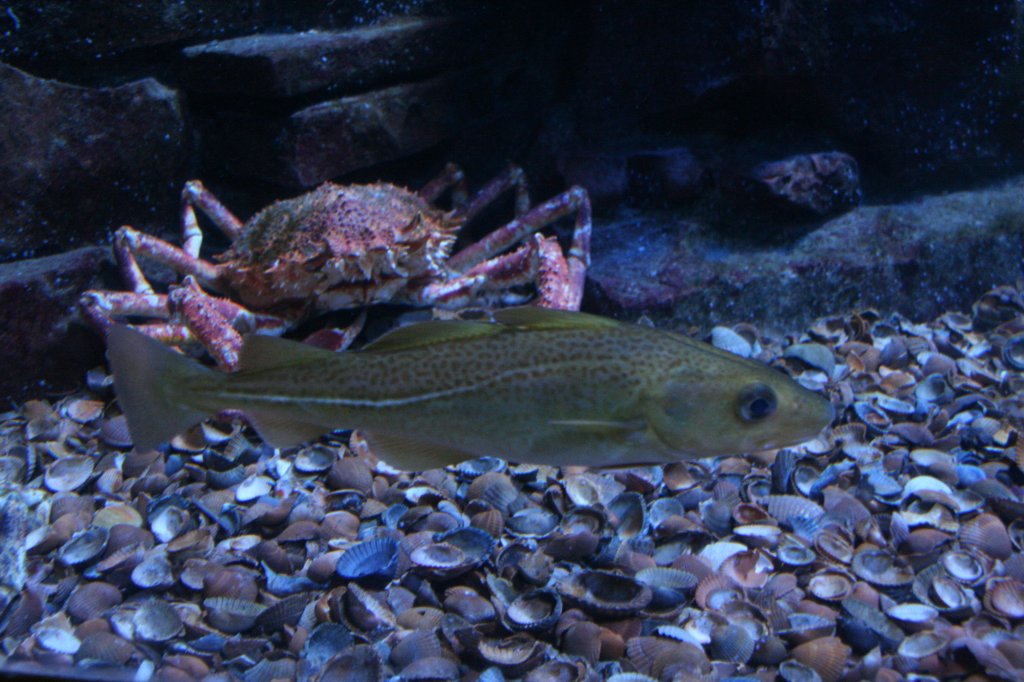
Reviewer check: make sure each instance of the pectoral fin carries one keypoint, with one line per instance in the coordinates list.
(410, 454)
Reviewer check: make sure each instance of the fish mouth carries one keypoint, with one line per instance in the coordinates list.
(805, 434)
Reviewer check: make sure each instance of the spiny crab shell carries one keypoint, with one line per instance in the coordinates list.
(364, 242)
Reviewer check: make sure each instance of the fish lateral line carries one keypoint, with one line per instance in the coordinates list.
(286, 399)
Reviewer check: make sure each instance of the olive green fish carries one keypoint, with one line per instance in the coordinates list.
(535, 385)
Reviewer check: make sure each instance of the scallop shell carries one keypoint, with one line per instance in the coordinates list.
(226, 478)
(372, 562)
(513, 654)
(420, 617)
(496, 488)
(231, 615)
(715, 591)
(415, 645)
(830, 585)
(603, 593)
(156, 621)
(104, 647)
(114, 514)
(583, 639)
(489, 520)
(154, 572)
(758, 534)
(867, 616)
(326, 641)
(114, 432)
(798, 513)
(986, 532)
(474, 468)
(253, 488)
(169, 517)
(728, 340)
(912, 617)
(92, 600)
(83, 547)
(731, 643)
(835, 544)
(531, 522)
(350, 473)
(795, 553)
(880, 568)
(965, 567)
(534, 611)
(430, 669)
(827, 656)
(358, 663)
(627, 515)
(813, 355)
(1004, 597)
(922, 644)
(669, 586)
(467, 603)
(57, 640)
(441, 559)
(315, 459)
(68, 473)
(933, 587)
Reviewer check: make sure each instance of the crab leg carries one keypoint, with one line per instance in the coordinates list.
(575, 199)
(560, 280)
(195, 194)
(509, 269)
(451, 177)
(205, 320)
(128, 242)
(102, 307)
(512, 177)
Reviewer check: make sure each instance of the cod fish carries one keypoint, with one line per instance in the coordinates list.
(535, 385)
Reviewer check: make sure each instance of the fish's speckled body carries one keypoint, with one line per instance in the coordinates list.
(535, 385)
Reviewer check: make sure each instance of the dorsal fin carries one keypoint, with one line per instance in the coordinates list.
(533, 317)
(264, 352)
(429, 333)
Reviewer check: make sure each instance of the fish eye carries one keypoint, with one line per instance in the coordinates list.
(756, 402)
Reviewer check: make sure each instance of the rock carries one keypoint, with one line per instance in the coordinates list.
(339, 136)
(85, 160)
(286, 64)
(919, 259)
(94, 29)
(820, 185)
(43, 346)
(801, 187)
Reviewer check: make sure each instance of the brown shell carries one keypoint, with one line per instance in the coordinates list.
(986, 532)
(106, 647)
(92, 600)
(1004, 597)
(826, 655)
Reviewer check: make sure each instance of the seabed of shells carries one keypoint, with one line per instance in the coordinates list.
(893, 549)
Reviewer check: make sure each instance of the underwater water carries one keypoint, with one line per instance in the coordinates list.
(783, 440)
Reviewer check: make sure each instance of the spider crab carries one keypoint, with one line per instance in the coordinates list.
(340, 247)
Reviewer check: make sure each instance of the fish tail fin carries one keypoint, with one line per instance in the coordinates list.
(155, 386)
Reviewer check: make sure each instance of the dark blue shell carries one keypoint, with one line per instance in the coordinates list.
(372, 562)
